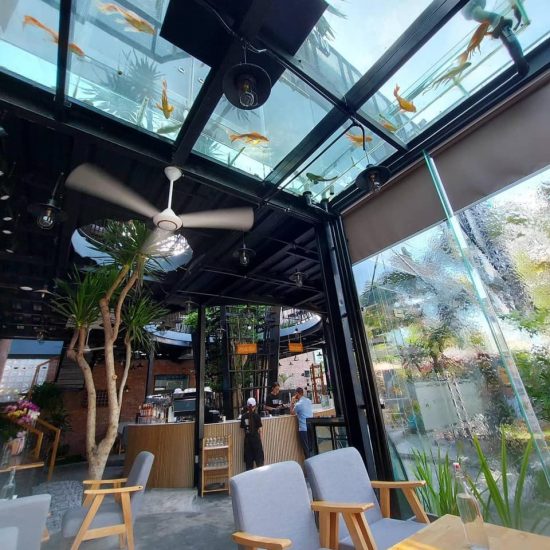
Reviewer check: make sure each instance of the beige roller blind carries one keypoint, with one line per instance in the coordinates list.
(507, 148)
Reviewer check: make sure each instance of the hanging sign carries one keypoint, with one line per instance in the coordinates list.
(295, 347)
(245, 349)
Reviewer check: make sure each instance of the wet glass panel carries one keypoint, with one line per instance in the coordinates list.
(122, 66)
(339, 165)
(255, 141)
(456, 63)
(351, 36)
(28, 40)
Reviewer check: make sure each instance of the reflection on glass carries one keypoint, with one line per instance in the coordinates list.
(337, 168)
(455, 63)
(255, 141)
(351, 36)
(28, 40)
(437, 366)
(128, 70)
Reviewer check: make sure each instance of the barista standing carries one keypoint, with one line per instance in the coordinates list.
(252, 426)
(273, 402)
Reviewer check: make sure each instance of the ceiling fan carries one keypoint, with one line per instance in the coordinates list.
(94, 181)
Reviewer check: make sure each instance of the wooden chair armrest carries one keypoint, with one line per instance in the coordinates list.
(340, 507)
(408, 488)
(104, 481)
(114, 491)
(398, 484)
(253, 541)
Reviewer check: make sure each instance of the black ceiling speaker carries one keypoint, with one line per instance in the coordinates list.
(373, 177)
(246, 86)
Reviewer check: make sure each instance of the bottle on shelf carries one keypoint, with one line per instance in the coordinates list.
(8, 490)
(470, 513)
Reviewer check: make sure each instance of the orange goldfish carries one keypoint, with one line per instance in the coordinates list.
(387, 124)
(164, 105)
(29, 20)
(253, 138)
(405, 104)
(475, 42)
(358, 140)
(137, 23)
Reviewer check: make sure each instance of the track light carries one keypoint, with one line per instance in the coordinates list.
(7, 215)
(49, 213)
(6, 187)
(297, 278)
(372, 178)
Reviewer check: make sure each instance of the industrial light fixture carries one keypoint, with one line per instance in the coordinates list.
(40, 337)
(11, 246)
(297, 278)
(26, 288)
(49, 213)
(244, 254)
(189, 306)
(246, 86)
(372, 178)
(7, 231)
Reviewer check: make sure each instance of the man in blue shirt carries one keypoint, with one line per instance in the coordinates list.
(301, 407)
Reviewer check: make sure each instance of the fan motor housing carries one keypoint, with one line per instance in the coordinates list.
(167, 220)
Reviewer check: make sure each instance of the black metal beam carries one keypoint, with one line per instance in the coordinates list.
(226, 375)
(349, 364)
(199, 353)
(65, 9)
(473, 108)
(211, 91)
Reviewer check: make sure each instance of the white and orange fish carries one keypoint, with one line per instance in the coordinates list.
(358, 140)
(387, 124)
(252, 138)
(405, 104)
(137, 23)
(164, 104)
(30, 20)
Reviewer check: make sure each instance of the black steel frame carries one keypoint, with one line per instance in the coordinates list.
(199, 352)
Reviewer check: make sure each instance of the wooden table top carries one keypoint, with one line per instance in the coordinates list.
(21, 462)
(447, 533)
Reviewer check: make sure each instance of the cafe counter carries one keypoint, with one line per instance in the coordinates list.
(173, 446)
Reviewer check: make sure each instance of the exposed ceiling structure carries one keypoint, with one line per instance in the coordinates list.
(76, 86)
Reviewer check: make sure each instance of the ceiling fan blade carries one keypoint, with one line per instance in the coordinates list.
(94, 181)
(239, 219)
(151, 245)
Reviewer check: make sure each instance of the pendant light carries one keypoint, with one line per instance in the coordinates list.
(297, 278)
(49, 213)
(245, 254)
(372, 178)
(245, 85)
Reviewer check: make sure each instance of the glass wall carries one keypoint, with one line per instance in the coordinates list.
(458, 324)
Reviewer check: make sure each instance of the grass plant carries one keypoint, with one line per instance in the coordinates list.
(439, 493)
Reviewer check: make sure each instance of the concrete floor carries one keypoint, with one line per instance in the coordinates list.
(169, 519)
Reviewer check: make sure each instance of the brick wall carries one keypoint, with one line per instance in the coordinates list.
(133, 398)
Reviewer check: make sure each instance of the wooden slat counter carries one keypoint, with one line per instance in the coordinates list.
(172, 445)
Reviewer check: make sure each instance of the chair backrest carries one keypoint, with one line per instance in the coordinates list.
(28, 515)
(341, 476)
(273, 501)
(139, 474)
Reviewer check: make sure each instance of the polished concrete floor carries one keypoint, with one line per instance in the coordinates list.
(169, 519)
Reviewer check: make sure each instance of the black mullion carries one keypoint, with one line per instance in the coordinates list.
(62, 57)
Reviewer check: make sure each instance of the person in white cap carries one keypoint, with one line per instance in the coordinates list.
(251, 423)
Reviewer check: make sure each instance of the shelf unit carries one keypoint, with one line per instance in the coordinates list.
(216, 477)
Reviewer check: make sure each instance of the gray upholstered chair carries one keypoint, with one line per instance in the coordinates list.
(28, 516)
(272, 510)
(110, 511)
(341, 475)
(8, 536)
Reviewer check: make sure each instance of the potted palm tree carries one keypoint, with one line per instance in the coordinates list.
(115, 294)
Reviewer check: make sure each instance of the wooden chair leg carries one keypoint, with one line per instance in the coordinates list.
(359, 531)
(385, 502)
(127, 514)
(122, 540)
(328, 530)
(87, 521)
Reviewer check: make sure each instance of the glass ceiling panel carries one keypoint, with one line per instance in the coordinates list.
(351, 36)
(450, 68)
(28, 40)
(338, 166)
(125, 69)
(255, 141)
